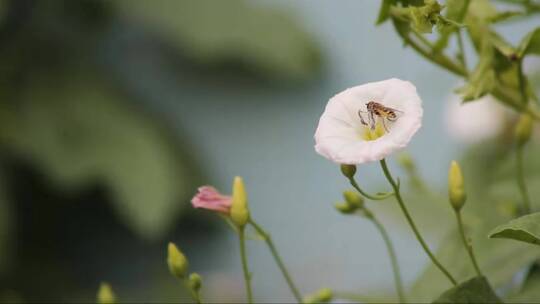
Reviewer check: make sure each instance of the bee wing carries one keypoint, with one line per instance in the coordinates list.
(396, 111)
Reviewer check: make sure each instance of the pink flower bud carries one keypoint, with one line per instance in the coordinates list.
(209, 198)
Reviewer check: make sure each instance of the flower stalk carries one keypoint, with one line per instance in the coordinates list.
(467, 243)
(245, 268)
(391, 252)
(401, 203)
(377, 197)
(523, 132)
(277, 258)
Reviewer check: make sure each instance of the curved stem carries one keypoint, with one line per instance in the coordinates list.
(392, 253)
(278, 260)
(412, 224)
(521, 180)
(461, 56)
(367, 195)
(247, 275)
(439, 59)
(522, 83)
(194, 294)
(467, 244)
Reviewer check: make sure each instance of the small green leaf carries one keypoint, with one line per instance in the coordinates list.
(384, 12)
(475, 290)
(530, 44)
(482, 79)
(525, 229)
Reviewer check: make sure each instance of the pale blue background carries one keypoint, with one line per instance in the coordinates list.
(267, 137)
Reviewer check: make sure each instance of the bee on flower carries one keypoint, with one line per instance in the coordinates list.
(368, 122)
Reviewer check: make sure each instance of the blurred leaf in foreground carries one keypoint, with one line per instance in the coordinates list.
(80, 131)
(530, 291)
(475, 290)
(263, 39)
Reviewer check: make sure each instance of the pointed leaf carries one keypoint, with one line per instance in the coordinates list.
(525, 229)
(384, 11)
(530, 44)
(475, 290)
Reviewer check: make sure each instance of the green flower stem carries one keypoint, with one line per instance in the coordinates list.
(412, 224)
(391, 252)
(247, 275)
(467, 243)
(521, 180)
(195, 295)
(438, 58)
(461, 56)
(278, 260)
(367, 195)
(522, 83)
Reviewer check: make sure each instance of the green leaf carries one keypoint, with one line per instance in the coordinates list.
(482, 79)
(5, 226)
(530, 291)
(453, 255)
(503, 16)
(81, 132)
(262, 39)
(424, 17)
(525, 229)
(475, 290)
(530, 44)
(384, 11)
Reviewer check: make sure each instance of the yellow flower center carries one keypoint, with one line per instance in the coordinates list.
(369, 134)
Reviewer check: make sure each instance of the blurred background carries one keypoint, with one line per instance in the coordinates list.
(112, 113)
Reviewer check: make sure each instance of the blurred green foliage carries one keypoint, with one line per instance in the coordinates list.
(71, 123)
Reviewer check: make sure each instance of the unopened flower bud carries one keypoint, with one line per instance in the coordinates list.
(344, 208)
(348, 170)
(178, 264)
(456, 187)
(105, 294)
(323, 295)
(406, 161)
(195, 281)
(523, 129)
(239, 209)
(353, 199)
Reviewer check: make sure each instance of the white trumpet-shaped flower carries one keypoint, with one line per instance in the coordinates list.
(475, 121)
(350, 132)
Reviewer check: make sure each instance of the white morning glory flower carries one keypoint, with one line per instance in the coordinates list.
(346, 133)
(475, 121)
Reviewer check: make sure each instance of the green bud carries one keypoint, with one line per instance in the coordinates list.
(523, 129)
(323, 295)
(344, 208)
(348, 170)
(178, 264)
(406, 161)
(424, 17)
(195, 281)
(105, 294)
(239, 209)
(456, 187)
(353, 199)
